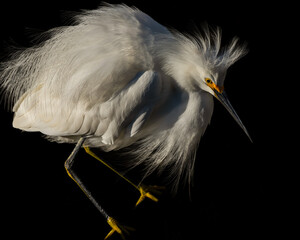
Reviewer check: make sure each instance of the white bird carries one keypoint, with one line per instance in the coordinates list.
(117, 78)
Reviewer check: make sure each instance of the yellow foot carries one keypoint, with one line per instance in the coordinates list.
(116, 227)
(146, 191)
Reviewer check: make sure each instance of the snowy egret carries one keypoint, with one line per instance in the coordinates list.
(117, 78)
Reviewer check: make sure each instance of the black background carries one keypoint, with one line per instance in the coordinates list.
(241, 189)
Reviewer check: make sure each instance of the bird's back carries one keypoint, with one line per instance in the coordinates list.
(54, 86)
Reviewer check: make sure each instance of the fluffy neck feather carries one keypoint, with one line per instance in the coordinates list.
(174, 149)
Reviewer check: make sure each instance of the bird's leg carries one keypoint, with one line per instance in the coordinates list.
(68, 166)
(144, 190)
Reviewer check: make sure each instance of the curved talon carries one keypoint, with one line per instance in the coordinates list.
(145, 192)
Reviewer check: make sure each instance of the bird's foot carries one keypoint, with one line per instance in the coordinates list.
(116, 227)
(147, 191)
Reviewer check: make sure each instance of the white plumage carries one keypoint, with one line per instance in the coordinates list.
(121, 78)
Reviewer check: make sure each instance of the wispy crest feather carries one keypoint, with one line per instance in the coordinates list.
(207, 44)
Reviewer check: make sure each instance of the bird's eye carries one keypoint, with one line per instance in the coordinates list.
(208, 80)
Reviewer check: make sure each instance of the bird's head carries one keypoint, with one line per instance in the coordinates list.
(200, 64)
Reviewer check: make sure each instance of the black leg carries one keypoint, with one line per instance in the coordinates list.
(68, 165)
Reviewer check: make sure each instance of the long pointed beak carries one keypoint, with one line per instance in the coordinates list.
(222, 97)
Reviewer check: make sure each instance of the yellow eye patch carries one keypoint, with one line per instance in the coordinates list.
(213, 86)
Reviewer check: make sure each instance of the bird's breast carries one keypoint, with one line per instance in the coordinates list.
(184, 113)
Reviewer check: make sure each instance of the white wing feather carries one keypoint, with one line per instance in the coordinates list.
(66, 86)
(138, 123)
(103, 121)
